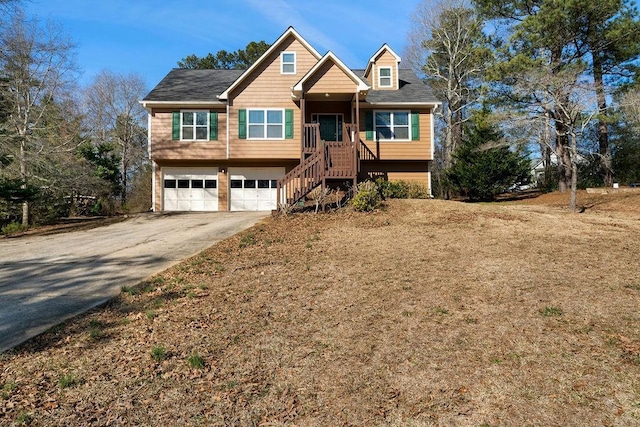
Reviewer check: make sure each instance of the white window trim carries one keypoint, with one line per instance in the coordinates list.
(194, 125)
(265, 110)
(393, 112)
(282, 63)
(380, 76)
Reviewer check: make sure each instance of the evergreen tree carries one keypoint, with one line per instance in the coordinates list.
(223, 60)
(484, 166)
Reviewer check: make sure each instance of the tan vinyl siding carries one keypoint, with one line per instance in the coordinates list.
(401, 150)
(329, 78)
(421, 177)
(163, 147)
(267, 88)
(385, 59)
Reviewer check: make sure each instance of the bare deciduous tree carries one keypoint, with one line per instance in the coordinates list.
(115, 115)
(447, 45)
(36, 66)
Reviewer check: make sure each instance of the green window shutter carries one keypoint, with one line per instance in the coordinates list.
(175, 126)
(415, 126)
(288, 124)
(242, 124)
(213, 125)
(368, 124)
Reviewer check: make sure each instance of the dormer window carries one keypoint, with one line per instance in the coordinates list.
(288, 63)
(384, 77)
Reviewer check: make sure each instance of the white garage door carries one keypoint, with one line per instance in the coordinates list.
(254, 189)
(190, 189)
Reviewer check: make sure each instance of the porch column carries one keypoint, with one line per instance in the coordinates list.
(356, 138)
(302, 121)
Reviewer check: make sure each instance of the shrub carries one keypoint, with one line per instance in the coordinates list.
(392, 189)
(366, 197)
(13, 227)
(417, 190)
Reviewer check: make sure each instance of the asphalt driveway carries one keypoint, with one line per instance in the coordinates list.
(47, 279)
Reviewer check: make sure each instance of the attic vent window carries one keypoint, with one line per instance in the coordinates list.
(288, 63)
(384, 77)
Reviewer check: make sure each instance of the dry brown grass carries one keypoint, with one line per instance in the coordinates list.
(427, 313)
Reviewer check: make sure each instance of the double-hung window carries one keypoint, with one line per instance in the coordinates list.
(194, 125)
(266, 124)
(392, 125)
(384, 77)
(288, 63)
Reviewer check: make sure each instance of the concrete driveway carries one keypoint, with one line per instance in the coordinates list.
(47, 279)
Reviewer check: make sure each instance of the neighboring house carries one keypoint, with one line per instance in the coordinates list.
(248, 140)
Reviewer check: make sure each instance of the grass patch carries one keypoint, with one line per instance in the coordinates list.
(551, 311)
(67, 381)
(248, 239)
(159, 353)
(196, 361)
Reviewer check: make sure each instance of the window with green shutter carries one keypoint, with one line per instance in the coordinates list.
(288, 124)
(175, 126)
(415, 126)
(242, 124)
(368, 125)
(213, 125)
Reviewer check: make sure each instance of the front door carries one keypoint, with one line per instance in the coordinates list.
(330, 126)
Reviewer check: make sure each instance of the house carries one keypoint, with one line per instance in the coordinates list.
(251, 139)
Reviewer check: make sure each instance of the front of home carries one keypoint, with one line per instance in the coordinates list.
(295, 120)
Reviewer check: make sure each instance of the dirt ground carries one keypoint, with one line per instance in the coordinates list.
(423, 313)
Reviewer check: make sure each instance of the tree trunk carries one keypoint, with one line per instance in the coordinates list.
(603, 126)
(23, 176)
(574, 174)
(563, 154)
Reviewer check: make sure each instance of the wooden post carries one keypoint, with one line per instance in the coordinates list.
(302, 130)
(356, 139)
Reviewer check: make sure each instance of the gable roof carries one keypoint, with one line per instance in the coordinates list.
(412, 91)
(372, 60)
(329, 56)
(290, 32)
(183, 85)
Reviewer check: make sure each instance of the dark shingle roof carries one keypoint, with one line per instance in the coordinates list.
(185, 85)
(193, 85)
(412, 90)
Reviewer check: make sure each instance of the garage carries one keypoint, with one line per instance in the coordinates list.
(254, 189)
(190, 189)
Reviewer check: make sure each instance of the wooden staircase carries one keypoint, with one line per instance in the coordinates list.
(323, 160)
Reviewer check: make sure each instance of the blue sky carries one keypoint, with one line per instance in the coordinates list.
(148, 37)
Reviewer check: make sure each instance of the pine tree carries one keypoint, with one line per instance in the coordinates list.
(484, 166)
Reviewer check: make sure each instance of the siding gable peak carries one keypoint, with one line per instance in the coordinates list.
(298, 88)
(274, 47)
(382, 69)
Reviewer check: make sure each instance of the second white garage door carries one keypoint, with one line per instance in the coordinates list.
(254, 189)
(190, 189)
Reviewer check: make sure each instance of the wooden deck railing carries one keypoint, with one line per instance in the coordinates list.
(311, 137)
(339, 160)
